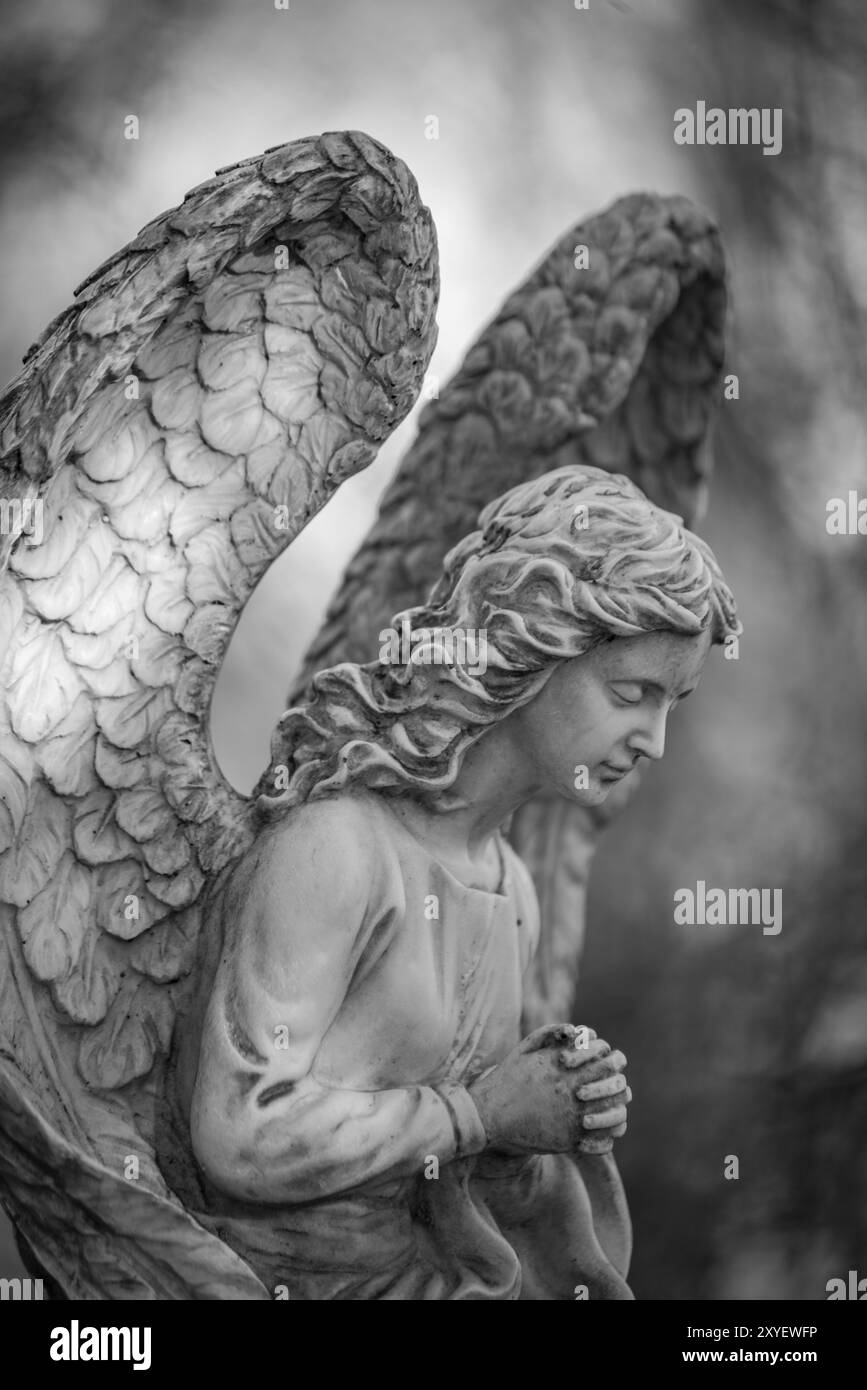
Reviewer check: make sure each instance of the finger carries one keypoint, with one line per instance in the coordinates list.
(598, 1090)
(576, 1038)
(599, 1069)
(595, 1107)
(610, 1063)
(573, 1057)
(602, 1107)
(551, 1035)
(605, 1119)
(598, 1144)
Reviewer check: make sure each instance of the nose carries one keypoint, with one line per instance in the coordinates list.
(649, 738)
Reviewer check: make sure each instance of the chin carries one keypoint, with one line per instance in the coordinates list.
(594, 795)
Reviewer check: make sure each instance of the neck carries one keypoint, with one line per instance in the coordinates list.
(494, 780)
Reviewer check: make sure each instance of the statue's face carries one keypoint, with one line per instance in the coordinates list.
(605, 711)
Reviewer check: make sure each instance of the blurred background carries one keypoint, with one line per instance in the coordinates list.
(740, 1044)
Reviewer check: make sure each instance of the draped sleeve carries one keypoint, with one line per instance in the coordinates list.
(264, 1126)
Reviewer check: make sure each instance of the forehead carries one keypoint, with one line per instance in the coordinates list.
(667, 657)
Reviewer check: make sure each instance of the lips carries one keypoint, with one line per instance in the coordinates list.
(617, 771)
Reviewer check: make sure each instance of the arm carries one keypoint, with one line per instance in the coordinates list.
(263, 1128)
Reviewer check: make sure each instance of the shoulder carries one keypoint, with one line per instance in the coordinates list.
(338, 841)
(313, 887)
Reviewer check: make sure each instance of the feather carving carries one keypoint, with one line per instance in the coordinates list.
(172, 431)
(611, 358)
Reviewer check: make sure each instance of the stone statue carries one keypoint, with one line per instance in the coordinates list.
(310, 1043)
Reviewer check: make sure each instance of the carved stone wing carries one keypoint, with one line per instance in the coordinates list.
(609, 354)
(170, 434)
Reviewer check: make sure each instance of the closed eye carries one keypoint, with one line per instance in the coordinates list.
(683, 694)
(628, 692)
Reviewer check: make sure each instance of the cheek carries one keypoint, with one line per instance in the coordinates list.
(587, 733)
(596, 723)
(557, 746)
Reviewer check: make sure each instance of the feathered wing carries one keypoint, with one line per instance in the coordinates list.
(609, 354)
(170, 434)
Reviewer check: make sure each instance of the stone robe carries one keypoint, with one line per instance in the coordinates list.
(386, 1190)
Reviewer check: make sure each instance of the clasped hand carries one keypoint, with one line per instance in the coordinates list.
(561, 1090)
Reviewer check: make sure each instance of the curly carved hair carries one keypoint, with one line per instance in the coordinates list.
(558, 565)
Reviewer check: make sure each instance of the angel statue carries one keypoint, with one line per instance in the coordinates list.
(313, 1043)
